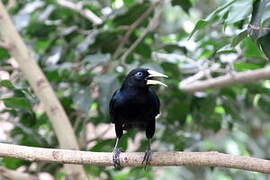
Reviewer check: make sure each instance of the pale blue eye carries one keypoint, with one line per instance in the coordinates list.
(139, 75)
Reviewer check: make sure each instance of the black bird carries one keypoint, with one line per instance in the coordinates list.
(135, 105)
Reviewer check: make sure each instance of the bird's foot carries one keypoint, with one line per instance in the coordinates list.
(147, 158)
(116, 157)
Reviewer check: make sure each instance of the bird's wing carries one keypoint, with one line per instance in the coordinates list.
(113, 106)
(156, 102)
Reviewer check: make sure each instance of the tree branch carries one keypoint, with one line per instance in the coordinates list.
(57, 116)
(11, 4)
(132, 28)
(152, 25)
(258, 28)
(3, 44)
(11, 174)
(227, 80)
(208, 159)
(84, 12)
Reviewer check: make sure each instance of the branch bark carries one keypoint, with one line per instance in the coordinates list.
(208, 159)
(84, 12)
(228, 80)
(151, 27)
(132, 27)
(57, 116)
(15, 175)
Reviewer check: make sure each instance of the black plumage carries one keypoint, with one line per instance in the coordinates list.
(135, 105)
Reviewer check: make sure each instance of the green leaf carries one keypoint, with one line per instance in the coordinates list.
(268, 135)
(226, 50)
(12, 163)
(107, 41)
(264, 42)
(128, 2)
(3, 54)
(203, 22)
(144, 50)
(250, 49)
(199, 25)
(7, 84)
(185, 4)
(40, 30)
(220, 9)
(174, 47)
(17, 102)
(237, 39)
(245, 66)
(102, 145)
(132, 14)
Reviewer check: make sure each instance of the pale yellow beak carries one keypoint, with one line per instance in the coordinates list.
(155, 82)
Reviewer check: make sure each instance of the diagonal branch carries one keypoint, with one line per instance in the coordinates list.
(208, 159)
(132, 28)
(227, 80)
(32, 72)
(84, 12)
(152, 26)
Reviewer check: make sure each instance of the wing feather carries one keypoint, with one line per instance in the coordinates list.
(156, 105)
(113, 106)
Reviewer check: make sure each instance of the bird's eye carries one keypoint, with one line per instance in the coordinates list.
(139, 75)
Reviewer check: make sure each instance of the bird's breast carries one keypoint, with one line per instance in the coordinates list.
(136, 109)
(133, 110)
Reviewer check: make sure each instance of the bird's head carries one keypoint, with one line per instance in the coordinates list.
(143, 77)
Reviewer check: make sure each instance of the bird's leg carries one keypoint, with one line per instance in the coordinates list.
(147, 155)
(116, 155)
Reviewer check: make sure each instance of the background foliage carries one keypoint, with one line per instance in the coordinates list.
(80, 61)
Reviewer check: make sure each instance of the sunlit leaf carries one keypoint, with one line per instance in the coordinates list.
(17, 102)
(239, 11)
(7, 84)
(237, 39)
(199, 25)
(241, 66)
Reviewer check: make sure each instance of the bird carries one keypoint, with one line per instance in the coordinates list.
(135, 105)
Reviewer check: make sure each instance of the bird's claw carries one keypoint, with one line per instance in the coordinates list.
(147, 158)
(116, 157)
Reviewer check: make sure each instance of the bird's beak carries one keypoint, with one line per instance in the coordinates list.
(154, 74)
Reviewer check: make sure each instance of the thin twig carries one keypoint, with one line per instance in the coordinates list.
(208, 159)
(79, 8)
(227, 80)
(132, 28)
(258, 28)
(152, 26)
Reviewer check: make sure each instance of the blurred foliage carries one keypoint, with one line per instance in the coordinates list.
(79, 60)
